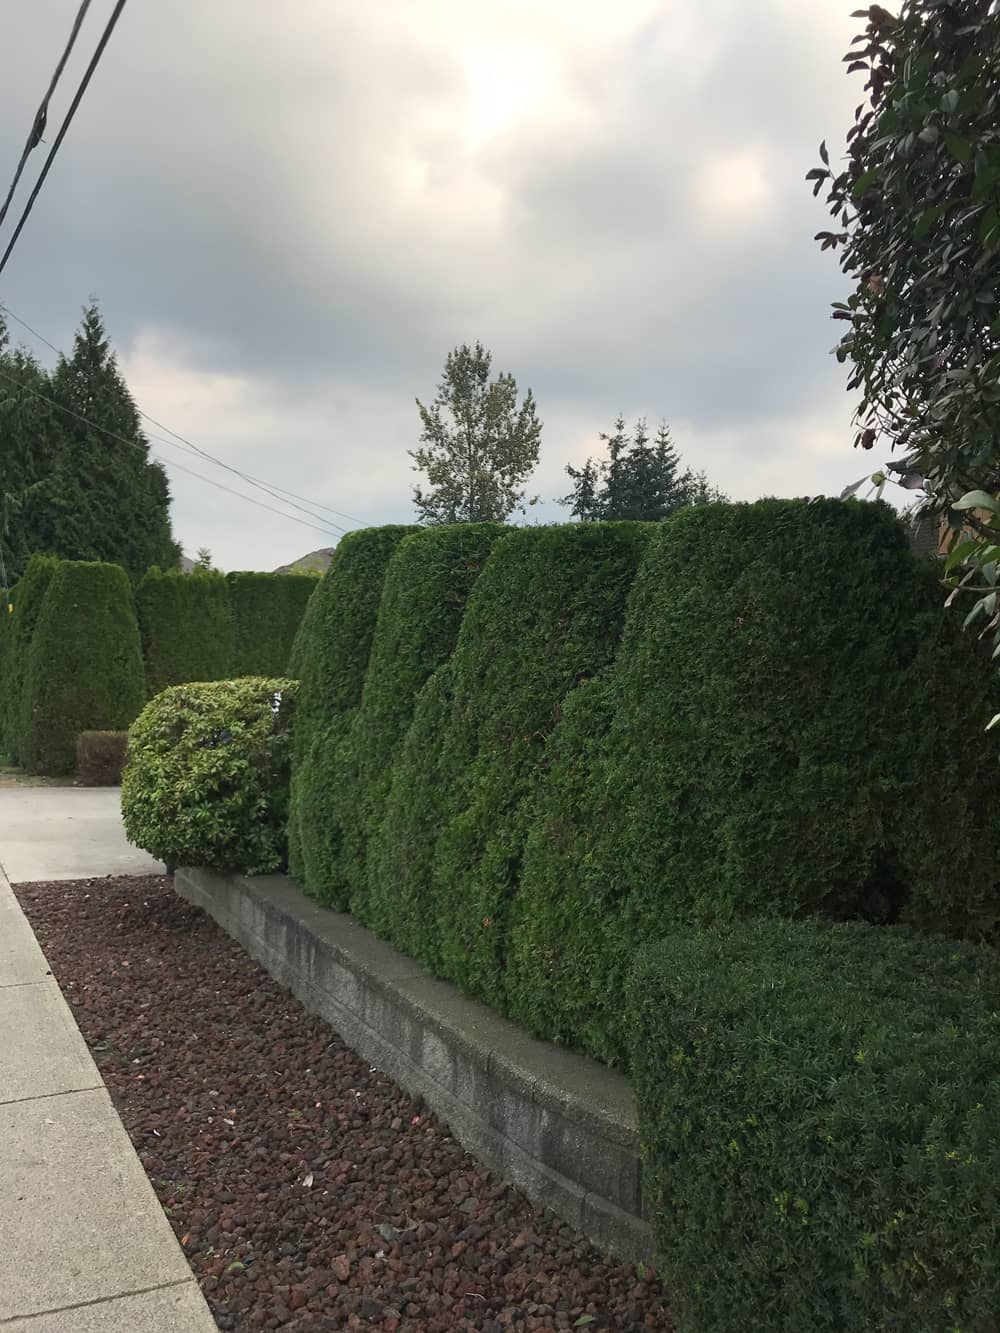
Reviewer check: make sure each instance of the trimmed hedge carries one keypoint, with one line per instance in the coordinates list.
(84, 670)
(186, 626)
(788, 730)
(545, 613)
(206, 782)
(426, 585)
(820, 1113)
(332, 653)
(267, 610)
(26, 597)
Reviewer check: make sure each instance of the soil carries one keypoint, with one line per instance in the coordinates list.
(308, 1191)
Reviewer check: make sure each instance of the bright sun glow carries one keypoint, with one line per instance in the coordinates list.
(506, 83)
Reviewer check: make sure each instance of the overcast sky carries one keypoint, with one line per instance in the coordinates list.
(290, 213)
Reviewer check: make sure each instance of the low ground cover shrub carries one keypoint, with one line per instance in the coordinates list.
(786, 731)
(186, 627)
(331, 653)
(267, 610)
(208, 774)
(84, 666)
(819, 1108)
(100, 757)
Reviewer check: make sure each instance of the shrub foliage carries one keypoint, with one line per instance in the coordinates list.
(186, 625)
(820, 1113)
(26, 598)
(331, 654)
(769, 743)
(207, 778)
(100, 757)
(84, 670)
(267, 610)
(545, 613)
(426, 586)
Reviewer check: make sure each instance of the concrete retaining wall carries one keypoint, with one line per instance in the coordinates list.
(559, 1126)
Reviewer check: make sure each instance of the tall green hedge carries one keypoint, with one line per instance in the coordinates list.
(545, 613)
(426, 586)
(819, 1107)
(84, 668)
(788, 730)
(26, 597)
(267, 610)
(186, 626)
(331, 656)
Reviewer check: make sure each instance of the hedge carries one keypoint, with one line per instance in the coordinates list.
(186, 626)
(789, 729)
(332, 656)
(207, 777)
(84, 670)
(819, 1107)
(546, 612)
(426, 585)
(26, 597)
(267, 610)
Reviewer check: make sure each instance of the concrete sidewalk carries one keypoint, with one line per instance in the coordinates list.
(66, 833)
(85, 1246)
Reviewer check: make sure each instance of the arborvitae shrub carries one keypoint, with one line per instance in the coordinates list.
(85, 664)
(819, 1109)
(545, 613)
(789, 729)
(26, 598)
(426, 586)
(267, 610)
(206, 782)
(332, 656)
(186, 626)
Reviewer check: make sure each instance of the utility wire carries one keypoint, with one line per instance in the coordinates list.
(41, 115)
(123, 439)
(67, 121)
(269, 487)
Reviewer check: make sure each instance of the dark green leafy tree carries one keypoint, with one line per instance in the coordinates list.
(642, 478)
(102, 498)
(916, 224)
(478, 445)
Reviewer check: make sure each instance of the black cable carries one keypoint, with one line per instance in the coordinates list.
(123, 439)
(268, 487)
(41, 115)
(67, 121)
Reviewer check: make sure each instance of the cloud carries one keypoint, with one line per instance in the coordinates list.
(290, 215)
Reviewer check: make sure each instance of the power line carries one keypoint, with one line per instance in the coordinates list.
(269, 487)
(41, 115)
(67, 121)
(123, 439)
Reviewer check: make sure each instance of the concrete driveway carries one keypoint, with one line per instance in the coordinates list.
(66, 833)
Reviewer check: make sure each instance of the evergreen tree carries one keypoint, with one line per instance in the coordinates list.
(641, 479)
(478, 447)
(103, 498)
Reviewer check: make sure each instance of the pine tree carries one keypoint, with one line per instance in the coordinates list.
(641, 479)
(478, 447)
(29, 445)
(103, 499)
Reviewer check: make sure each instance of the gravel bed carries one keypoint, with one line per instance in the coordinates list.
(308, 1191)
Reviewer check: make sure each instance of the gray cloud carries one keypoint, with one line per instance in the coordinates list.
(291, 215)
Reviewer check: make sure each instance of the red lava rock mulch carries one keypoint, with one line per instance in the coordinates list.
(308, 1191)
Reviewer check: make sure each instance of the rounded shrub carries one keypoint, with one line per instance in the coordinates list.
(207, 777)
(331, 654)
(26, 599)
(186, 627)
(84, 668)
(426, 585)
(545, 613)
(787, 731)
(819, 1109)
(267, 610)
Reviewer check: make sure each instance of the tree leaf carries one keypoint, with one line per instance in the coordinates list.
(977, 500)
(959, 148)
